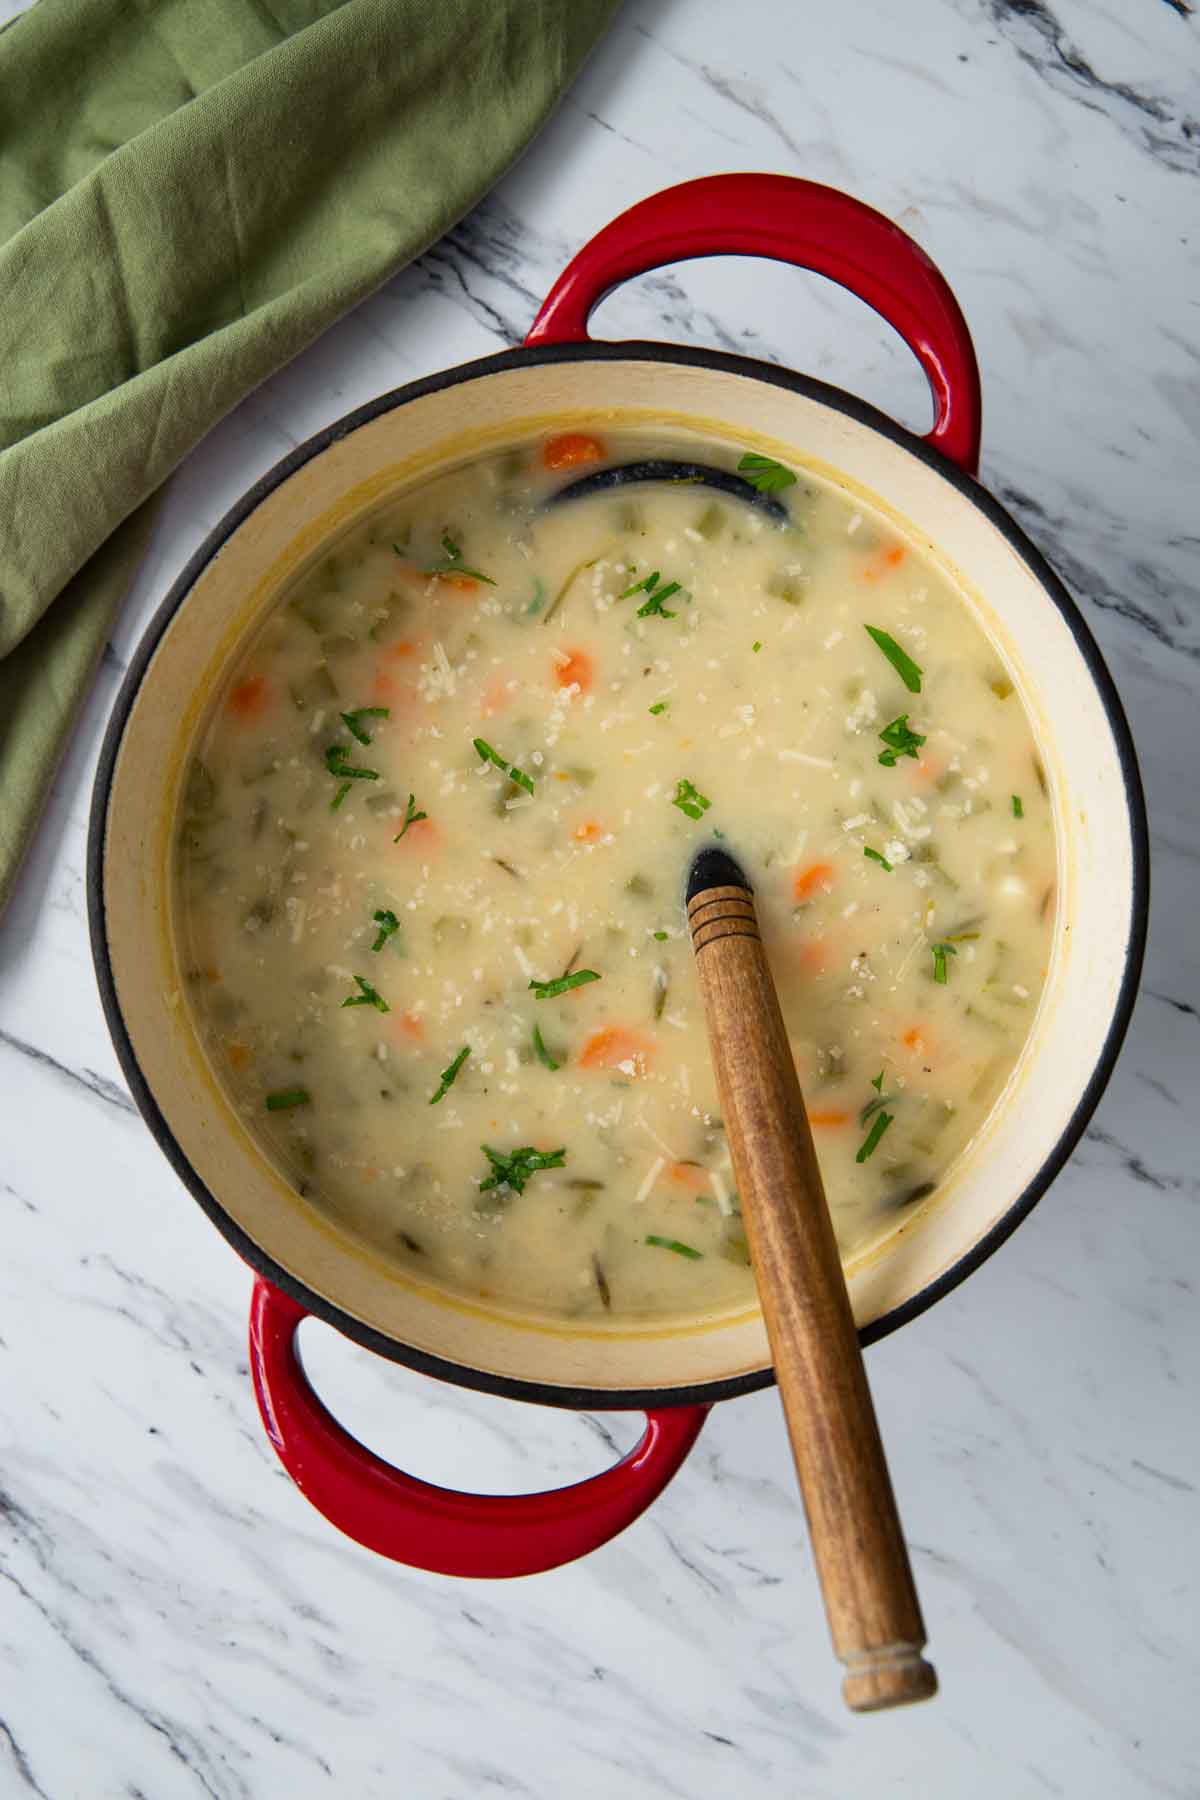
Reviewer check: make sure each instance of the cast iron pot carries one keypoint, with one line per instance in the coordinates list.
(305, 1264)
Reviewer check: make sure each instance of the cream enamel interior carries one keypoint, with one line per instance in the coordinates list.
(336, 487)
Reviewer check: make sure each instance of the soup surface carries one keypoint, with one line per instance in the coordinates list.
(433, 846)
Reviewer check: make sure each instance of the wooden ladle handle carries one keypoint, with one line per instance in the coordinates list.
(870, 1599)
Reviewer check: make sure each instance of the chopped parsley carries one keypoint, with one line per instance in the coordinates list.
(1018, 809)
(540, 1050)
(655, 595)
(877, 856)
(335, 762)
(940, 953)
(756, 646)
(514, 1169)
(366, 996)
(660, 706)
(548, 990)
(388, 924)
(450, 1075)
(660, 937)
(285, 1098)
(764, 473)
(900, 660)
(877, 1084)
(343, 790)
(488, 754)
(690, 800)
(411, 817)
(901, 740)
(666, 1243)
(870, 1143)
(454, 564)
(351, 720)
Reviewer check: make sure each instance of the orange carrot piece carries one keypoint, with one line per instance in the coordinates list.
(914, 1039)
(466, 583)
(249, 699)
(571, 450)
(590, 832)
(579, 671)
(831, 1115)
(408, 1025)
(615, 1046)
(688, 1176)
(884, 562)
(422, 835)
(817, 877)
(395, 652)
(814, 956)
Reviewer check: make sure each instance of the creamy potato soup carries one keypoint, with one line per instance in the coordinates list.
(433, 846)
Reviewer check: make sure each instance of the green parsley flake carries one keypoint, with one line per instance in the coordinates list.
(388, 924)
(877, 856)
(450, 1075)
(367, 996)
(871, 1142)
(454, 564)
(1018, 809)
(666, 1243)
(548, 990)
(660, 706)
(940, 953)
(877, 1084)
(540, 1050)
(512, 1170)
(900, 660)
(690, 800)
(411, 817)
(488, 754)
(351, 720)
(285, 1098)
(756, 646)
(764, 473)
(660, 937)
(655, 595)
(335, 762)
(901, 740)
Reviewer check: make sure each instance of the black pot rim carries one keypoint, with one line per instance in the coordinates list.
(463, 1375)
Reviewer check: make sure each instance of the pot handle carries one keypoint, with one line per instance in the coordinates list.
(436, 1528)
(800, 222)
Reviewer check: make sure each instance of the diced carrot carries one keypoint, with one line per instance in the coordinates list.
(384, 685)
(691, 1177)
(817, 878)
(498, 694)
(578, 671)
(465, 583)
(250, 699)
(615, 1047)
(423, 835)
(814, 956)
(571, 450)
(238, 1055)
(915, 1040)
(590, 832)
(930, 768)
(405, 647)
(884, 562)
(831, 1115)
(408, 1025)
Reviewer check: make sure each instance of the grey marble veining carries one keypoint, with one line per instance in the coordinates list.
(175, 1622)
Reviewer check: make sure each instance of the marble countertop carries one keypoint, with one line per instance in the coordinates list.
(175, 1621)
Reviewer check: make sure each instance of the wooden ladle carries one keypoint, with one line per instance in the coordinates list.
(866, 1580)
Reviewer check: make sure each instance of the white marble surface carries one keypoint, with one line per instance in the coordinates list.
(175, 1622)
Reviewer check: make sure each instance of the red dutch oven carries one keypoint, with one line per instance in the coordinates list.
(560, 378)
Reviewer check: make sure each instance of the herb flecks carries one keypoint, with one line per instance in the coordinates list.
(513, 1168)
(666, 1243)
(901, 740)
(411, 817)
(940, 953)
(488, 754)
(690, 800)
(1017, 808)
(563, 984)
(660, 706)
(283, 1099)
(366, 996)
(764, 473)
(870, 1143)
(656, 591)
(388, 925)
(454, 564)
(877, 856)
(449, 1075)
(353, 720)
(899, 658)
(540, 1051)
(335, 762)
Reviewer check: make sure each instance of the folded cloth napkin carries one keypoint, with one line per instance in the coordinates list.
(190, 191)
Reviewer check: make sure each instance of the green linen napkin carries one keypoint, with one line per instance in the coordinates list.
(190, 192)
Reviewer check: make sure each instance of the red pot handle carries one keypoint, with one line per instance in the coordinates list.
(798, 222)
(431, 1527)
